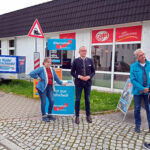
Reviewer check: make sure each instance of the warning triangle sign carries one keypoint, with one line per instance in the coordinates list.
(36, 30)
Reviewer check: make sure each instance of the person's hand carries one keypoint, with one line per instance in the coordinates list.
(81, 77)
(64, 84)
(39, 79)
(146, 90)
(86, 78)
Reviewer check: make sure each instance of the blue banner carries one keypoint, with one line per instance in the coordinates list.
(61, 44)
(64, 99)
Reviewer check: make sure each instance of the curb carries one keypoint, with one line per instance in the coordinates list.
(8, 144)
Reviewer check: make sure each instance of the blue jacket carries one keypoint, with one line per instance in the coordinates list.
(136, 77)
(41, 72)
(77, 69)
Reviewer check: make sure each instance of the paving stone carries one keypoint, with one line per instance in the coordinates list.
(26, 129)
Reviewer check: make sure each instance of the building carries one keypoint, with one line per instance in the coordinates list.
(110, 29)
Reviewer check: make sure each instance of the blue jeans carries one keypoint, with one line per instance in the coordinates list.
(137, 109)
(87, 91)
(48, 92)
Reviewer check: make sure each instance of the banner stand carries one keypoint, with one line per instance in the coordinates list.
(125, 99)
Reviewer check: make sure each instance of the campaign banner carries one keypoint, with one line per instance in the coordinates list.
(35, 91)
(67, 36)
(129, 34)
(8, 64)
(21, 64)
(64, 99)
(126, 97)
(61, 44)
(102, 36)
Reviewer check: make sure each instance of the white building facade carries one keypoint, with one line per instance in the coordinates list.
(111, 73)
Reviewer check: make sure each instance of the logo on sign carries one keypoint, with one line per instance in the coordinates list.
(102, 36)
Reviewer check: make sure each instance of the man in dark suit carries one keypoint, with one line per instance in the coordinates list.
(83, 71)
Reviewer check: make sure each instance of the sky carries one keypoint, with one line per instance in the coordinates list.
(12, 5)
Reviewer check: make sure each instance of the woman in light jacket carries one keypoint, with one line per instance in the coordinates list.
(45, 87)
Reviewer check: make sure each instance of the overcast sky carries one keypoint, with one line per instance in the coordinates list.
(12, 5)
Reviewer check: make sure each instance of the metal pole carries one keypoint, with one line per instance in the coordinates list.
(35, 44)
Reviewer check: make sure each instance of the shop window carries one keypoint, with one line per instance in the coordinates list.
(124, 57)
(102, 79)
(102, 57)
(11, 47)
(67, 59)
(119, 81)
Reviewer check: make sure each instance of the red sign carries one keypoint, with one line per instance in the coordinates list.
(36, 30)
(102, 36)
(68, 36)
(129, 34)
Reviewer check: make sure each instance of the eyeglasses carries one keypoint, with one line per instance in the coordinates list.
(83, 50)
(141, 55)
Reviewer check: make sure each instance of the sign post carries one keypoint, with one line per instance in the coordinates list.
(36, 32)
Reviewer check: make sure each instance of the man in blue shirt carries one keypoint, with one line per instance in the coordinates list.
(83, 72)
(140, 78)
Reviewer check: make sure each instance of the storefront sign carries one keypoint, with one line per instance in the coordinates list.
(102, 36)
(129, 34)
(68, 36)
(61, 44)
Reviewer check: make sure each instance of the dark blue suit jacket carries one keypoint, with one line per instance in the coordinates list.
(77, 69)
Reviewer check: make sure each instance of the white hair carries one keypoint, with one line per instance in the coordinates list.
(82, 47)
(137, 51)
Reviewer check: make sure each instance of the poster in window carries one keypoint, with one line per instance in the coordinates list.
(102, 36)
(129, 34)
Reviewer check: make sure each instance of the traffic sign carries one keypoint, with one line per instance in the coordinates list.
(36, 30)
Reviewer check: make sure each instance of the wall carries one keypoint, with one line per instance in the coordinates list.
(25, 46)
(4, 47)
(146, 38)
(83, 38)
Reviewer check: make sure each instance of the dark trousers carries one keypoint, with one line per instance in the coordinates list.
(48, 92)
(87, 91)
(137, 109)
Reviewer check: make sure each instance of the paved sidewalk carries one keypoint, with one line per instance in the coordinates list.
(21, 128)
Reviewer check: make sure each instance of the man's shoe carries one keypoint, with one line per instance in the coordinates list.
(77, 120)
(50, 117)
(137, 129)
(146, 145)
(89, 119)
(45, 119)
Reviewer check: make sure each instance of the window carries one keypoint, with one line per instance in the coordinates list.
(11, 47)
(102, 57)
(67, 59)
(108, 51)
(124, 57)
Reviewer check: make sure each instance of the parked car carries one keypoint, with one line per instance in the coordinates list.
(121, 66)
